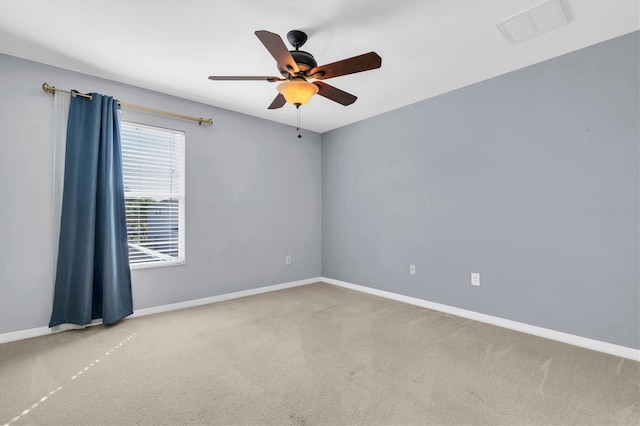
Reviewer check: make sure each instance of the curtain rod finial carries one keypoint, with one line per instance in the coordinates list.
(47, 88)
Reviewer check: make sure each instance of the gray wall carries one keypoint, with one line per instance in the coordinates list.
(253, 193)
(530, 179)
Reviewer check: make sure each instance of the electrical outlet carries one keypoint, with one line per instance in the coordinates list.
(475, 279)
(287, 260)
(412, 269)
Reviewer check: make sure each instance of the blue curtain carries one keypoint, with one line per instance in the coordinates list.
(93, 279)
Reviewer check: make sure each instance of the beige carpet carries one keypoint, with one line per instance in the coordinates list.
(316, 354)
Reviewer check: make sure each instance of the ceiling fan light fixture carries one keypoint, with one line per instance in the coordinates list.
(297, 92)
(296, 66)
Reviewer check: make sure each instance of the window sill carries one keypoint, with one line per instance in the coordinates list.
(149, 265)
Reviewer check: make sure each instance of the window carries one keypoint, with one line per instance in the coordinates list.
(153, 169)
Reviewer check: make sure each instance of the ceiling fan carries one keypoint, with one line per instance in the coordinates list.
(297, 67)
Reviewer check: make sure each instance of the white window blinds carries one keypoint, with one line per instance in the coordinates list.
(153, 169)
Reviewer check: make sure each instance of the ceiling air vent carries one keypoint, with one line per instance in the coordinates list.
(534, 21)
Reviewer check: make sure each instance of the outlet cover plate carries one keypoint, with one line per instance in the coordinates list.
(475, 279)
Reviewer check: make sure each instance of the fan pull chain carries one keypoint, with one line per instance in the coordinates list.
(298, 122)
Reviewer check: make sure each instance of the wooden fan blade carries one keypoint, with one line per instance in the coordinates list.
(244, 78)
(275, 46)
(365, 62)
(335, 94)
(278, 102)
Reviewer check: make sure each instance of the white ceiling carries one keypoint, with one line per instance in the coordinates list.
(427, 47)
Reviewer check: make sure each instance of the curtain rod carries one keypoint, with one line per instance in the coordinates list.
(51, 89)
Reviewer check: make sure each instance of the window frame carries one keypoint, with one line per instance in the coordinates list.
(181, 258)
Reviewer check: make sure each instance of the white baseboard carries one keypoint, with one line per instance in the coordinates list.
(596, 345)
(221, 298)
(24, 334)
(42, 331)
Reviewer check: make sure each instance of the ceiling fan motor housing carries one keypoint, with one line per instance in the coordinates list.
(304, 60)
